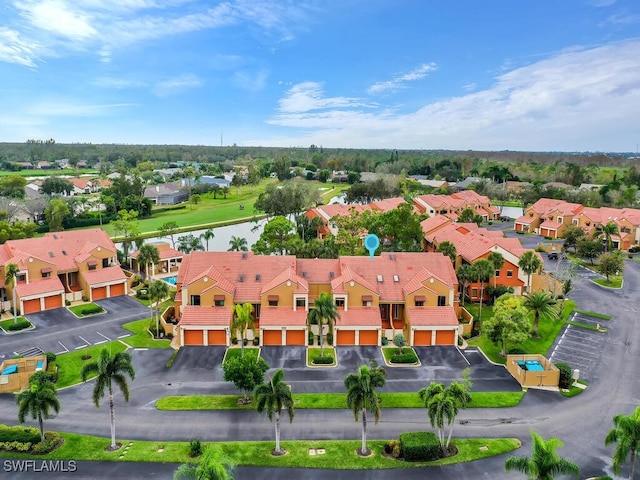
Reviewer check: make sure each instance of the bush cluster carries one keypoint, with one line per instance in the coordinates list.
(407, 357)
(90, 309)
(419, 446)
(195, 448)
(256, 341)
(15, 446)
(51, 441)
(19, 434)
(326, 360)
(20, 324)
(565, 374)
(393, 448)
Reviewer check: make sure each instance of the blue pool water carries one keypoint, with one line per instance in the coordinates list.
(531, 365)
(171, 280)
(10, 369)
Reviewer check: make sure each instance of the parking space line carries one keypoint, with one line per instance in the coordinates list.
(124, 336)
(101, 342)
(82, 346)
(84, 340)
(103, 336)
(66, 350)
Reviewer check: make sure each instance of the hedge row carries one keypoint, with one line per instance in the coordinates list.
(90, 309)
(407, 357)
(419, 446)
(20, 324)
(326, 360)
(19, 434)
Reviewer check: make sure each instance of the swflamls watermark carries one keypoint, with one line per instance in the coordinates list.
(38, 466)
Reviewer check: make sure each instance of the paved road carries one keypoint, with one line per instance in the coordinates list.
(581, 422)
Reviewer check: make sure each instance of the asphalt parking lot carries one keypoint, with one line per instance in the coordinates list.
(581, 348)
(60, 331)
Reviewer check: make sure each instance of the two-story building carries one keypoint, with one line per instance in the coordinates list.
(414, 293)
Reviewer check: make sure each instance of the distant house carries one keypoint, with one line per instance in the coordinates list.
(208, 180)
(84, 185)
(167, 193)
(467, 182)
(423, 180)
(590, 186)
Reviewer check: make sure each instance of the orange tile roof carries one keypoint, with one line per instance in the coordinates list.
(43, 287)
(433, 223)
(360, 317)
(274, 316)
(432, 316)
(317, 270)
(471, 246)
(550, 224)
(104, 275)
(288, 274)
(165, 251)
(387, 204)
(214, 316)
(525, 220)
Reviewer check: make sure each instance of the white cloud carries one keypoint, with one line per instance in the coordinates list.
(59, 18)
(176, 85)
(400, 80)
(575, 100)
(307, 96)
(16, 49)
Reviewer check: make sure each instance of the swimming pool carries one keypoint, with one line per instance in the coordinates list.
(171, 280)
(531, 365)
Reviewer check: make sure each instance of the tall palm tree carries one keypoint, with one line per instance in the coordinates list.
(544, 463)
(542, 304)
(362, 396)
(484, 271)
(497, 260)
(442, 404)
(448, 249)
(626, 435)
(147, 255)
(206, 236)
(327, 314)
(530, 263)
(157, 291)
(242, 321)
(271, 398)
(38, 400)
(466, 275)
(110, 369)
(214, 465)
(11, 272)
(237, 244)
(608, 231)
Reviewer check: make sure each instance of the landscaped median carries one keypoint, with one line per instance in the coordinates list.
(339, 454)
(15, 325)
(331, 401)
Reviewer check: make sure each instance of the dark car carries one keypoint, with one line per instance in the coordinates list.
(552, 255)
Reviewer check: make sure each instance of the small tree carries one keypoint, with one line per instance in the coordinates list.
(38, 400)
(206, 236)
(544, 462)
(246, 373)
(626, 435)
(466, 274)
(589, 248)
(497, 260)
(324, 311)
(610, 263)
(214, 465)
(169, 229)
(484, 270)
(542, 305)
(11, 272)
(272, 397)
(147, 255)
(157, 291)
(400, 342)
(509, 323)
(530, 263)
(448, 249)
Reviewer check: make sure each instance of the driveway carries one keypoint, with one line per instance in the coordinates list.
(60, 331)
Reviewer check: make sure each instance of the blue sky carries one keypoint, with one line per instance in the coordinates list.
(408, 74)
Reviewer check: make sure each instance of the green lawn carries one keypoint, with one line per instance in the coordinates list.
(305, 401)
(548, 330)
(593, 314)
(340, 454)
(141, 337)
(612, 282)
(79, 310)
(237, 352)
(49, 173)
(21, 324)
(390, 352)
(314, 352)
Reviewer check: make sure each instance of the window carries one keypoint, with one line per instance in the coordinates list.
(340, 302)
(497, 273)
(195, 300)
(367, 303)
(46, 274)
(509, 273)
(21, 277)
(419, 299)
(105, 262)
(273, 300)
(92, 264)
(560, 220)
(474, 293)
(442, 301)
(218, 300)
(575, 221)
(301, 302)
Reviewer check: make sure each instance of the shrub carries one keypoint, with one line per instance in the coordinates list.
(51, 357)
(67, 302)
(393, 448)
(407, 357)
(256, 341)
(20, 324)
(516, 351)
(90, 309)
(326, 360)
(385, 341)
(245, 341)
(85, 298)
(195, 448)
(311, 337)
(400, 342)
(419, 446)
(51, 441)
(565, 374)
(234, 340)
(330, 338)
(19, 434)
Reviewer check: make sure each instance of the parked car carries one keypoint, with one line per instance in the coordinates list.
(552, 255)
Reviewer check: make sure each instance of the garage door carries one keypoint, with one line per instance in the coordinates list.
(272, 337)
(295, 337)
(54, 301)
(368, 337)
(445, 337)
(117, 290)
(31, 306)
(98, 293)
(217, 337)
(346, 337)
(422, 338)
(193, 337)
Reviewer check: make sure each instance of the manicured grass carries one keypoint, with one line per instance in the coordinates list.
(11, 325)
(474, 309)
(587, 326)
(86, 309)
(314, 352)
(332, 401)
(613, 282)
(48, 173)
(390, 353)
(70, 364)
(237, 352)
(573, 391)
(340, 454)
(593, 314)
(548, 331)
(141, 337)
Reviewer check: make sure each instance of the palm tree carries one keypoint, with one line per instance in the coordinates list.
(608, 231)
(237, 244)
(206, 236)
(157, 291)
(448, 249)
(544, 463)
(327, 313)
(147, 255)
(484, 270)
(362, 396)
(542, 304)
(11, 272)
(110, 369)
(214, 465)
(497, 260)
(466, 274)
(627, 435)
(272, 397)
(38, 400)
(243, 320)
(529, 263)
(442, 404)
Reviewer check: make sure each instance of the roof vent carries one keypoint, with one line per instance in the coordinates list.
(396, 278)
(51, 254)
(331, 274)
(241, 277)
(392, 256)
(244, 255)
(304, 274)
(55, 237)
(380, 279)
(64, 252)
(258, 277)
